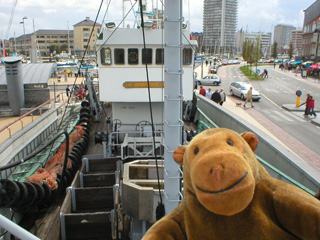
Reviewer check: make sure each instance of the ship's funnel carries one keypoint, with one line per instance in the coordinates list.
(14, 74)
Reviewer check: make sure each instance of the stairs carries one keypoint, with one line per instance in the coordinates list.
(88, 208)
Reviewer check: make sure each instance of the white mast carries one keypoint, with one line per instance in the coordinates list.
(172, 100)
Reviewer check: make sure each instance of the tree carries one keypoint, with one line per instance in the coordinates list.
(274, 50)
(247, 50)
(290, 51)
(52, 48)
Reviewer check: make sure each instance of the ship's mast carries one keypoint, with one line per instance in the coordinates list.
(172, 99)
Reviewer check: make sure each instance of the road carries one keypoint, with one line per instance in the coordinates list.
(295, 131)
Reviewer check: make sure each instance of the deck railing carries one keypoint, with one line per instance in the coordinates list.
(29, 117)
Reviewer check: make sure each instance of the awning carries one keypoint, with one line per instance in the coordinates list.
(297, 62)
(315, 66)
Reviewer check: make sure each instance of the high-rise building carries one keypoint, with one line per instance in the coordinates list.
(282, 35)
(219, 26)
(265, 39)
(296, 39)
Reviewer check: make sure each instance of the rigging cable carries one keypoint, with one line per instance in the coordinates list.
(160, 210)
(74, 83)
(116, 27)
(11, 18)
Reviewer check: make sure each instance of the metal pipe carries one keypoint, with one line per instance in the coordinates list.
(16, 230)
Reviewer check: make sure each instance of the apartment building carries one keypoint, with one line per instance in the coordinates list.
(46, 42)
(82, 31)
(265, 39)
(282, 35)
(296, 40)
(219, 25)
(311, 32)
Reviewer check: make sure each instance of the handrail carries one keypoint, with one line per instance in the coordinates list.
(30, 113)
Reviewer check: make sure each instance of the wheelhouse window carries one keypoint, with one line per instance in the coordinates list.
(187, 56)
(105, 56)
(159, 56)
(119, 56)
(133, 56)
(147, 56)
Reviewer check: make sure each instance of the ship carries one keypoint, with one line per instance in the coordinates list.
(114, 149)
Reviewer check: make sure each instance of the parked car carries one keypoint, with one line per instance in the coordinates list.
(213, 69)
(210, 80)
(240, 89)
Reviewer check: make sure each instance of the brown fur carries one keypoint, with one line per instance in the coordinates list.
(241, 200)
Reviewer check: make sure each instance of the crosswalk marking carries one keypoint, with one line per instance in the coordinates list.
(283, 116)
(295, 117)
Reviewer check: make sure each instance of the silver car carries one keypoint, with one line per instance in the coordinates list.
(240, 89)
(210, 80)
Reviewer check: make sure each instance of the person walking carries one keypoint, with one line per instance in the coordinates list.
(68, 90)
(202, 91)
(248, 97)
(216, 97)
(223, 96)
(209, 93)
(306, 110)
(311, 106)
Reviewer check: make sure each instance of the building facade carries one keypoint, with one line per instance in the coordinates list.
(311, 32)
(265, 39)
(82, 31)
(46, 42)
(282, 35)
(296, 39)
(219, 26)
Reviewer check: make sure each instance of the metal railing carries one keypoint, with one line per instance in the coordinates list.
(22, 121)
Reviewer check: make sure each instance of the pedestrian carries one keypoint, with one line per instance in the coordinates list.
(209, 93)
(216, 96)
(265, 72)
(68, 71)
(68, 90)
(311, 107)
(306, 110)
(223, 96)
(202, 91)
(248, 97)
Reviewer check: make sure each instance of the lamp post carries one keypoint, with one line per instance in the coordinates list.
(24, 35)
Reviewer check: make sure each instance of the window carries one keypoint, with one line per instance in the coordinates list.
(119, 56)
(86, 34)
(85, 40)
(133, 56)
(86, 29)
(105, 56)
(147, 56)
(187, 56)
(159, 56)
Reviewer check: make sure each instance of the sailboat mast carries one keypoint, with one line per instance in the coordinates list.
(172, 99)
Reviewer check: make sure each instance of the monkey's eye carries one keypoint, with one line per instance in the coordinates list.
(196, 150)
(230, 142)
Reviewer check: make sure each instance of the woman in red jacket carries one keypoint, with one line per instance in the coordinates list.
(311, 106)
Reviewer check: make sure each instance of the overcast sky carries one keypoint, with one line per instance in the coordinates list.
(254, 15)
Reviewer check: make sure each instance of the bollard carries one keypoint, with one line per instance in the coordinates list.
(298, 93)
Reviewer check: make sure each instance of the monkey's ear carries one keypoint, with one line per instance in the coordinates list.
(251, 139)
(178, 154)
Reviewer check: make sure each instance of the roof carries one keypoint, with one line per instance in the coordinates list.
(87, 22)
(33, 73)
(52, 31)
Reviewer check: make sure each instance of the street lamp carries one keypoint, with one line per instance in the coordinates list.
(24, 35)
